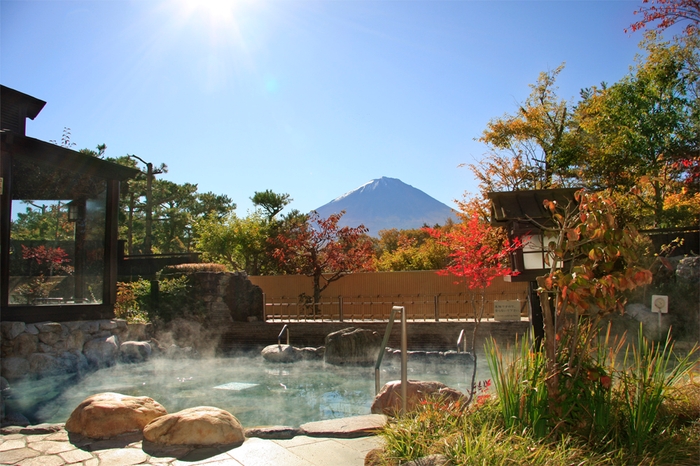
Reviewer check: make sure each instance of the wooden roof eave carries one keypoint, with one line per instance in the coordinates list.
(525, 206)
(46, 153)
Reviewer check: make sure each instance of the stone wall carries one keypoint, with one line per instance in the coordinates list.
(226, 297)
(49, 347)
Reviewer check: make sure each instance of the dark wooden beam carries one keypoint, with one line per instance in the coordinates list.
(5, 221)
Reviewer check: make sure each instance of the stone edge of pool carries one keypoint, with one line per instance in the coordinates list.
(347, 427)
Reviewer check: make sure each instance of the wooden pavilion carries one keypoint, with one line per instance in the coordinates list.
(58, 226)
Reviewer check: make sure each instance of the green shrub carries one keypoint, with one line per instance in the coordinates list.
(137, 303)
(652, 370)
(132, 298)
(175, 299)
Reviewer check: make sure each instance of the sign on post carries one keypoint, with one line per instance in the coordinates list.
(506, 310)
(659, 303)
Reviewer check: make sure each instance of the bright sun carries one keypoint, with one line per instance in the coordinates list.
(218, 12)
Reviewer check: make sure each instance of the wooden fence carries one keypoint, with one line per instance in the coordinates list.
(425, 295)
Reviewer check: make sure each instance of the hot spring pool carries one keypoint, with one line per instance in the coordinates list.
(255, 391)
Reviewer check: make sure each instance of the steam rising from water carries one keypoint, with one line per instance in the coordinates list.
(256, 392)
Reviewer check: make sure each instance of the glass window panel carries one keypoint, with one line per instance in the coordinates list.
(57, 250)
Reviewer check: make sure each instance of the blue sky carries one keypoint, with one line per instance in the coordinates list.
(305, 97)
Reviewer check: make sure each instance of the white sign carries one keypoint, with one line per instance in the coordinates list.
(659, 303)
(506, 310)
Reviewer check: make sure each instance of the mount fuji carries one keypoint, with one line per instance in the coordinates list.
(387, 203)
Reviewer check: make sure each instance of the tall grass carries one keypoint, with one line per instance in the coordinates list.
(518, 375)
(652, 370)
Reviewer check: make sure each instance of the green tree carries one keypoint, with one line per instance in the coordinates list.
(532, 148)
(175, 209)
(43, 222)
(238, 243)
(412, 249)
(270, 202)
(637, 130)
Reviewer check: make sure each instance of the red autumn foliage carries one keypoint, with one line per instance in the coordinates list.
(321, 249)
(666, 13)
(479, 252)
(49, 260)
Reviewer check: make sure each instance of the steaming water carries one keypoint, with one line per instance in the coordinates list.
(255, 391)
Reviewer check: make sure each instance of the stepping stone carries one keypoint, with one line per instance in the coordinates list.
(347, 427)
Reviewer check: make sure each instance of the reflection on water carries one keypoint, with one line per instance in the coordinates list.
(256, 392)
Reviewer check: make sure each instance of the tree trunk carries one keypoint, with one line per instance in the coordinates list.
(550, 342)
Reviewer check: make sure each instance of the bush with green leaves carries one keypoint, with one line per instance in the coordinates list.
(137, 303)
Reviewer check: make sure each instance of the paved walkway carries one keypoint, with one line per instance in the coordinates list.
(51, 445)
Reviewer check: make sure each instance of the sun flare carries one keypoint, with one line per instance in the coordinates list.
(218, 12)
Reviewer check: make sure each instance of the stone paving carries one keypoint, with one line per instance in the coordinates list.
(345, 442)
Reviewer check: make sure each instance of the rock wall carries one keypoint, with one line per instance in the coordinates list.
(49, 347)
(226, 297)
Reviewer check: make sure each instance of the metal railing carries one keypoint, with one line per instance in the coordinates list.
(427, 307)
(404, 354)
(279, 337)
(463, 341)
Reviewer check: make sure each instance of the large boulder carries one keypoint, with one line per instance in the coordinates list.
(280, 353)
(102, 351)
(201, 426)
(134, 351)
(107, 415)
(353, 346)
(388, 400)
(689, 269)
(654, 326)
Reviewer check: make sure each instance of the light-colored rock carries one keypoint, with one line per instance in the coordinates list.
(31, 328)
(49, 327)
(388, 400)
(102, 351)
(346, 427)
(15, 367)
(203, 425)
(10, 330)
(353, 346)
(106, 415)
(280, 353)
(134, 351)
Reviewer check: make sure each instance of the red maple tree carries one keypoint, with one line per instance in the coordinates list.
(479, 253)
(321, 249)
(666, 13)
